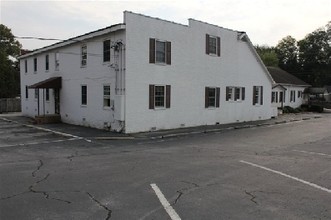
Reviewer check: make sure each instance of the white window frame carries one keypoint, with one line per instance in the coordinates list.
(83, 56)
(164, 97)
(106, 96)
(292, 96)
(257, 95)
(36, 94)
(57, 61)
(215, 97)
(232, 92)
(165, 51)
(211, 46)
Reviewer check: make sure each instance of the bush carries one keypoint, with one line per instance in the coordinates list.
(288, 109)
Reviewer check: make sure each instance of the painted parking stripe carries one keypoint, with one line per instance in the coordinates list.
(41, 142)
(288, 176)
(311, 152)
(166, 205)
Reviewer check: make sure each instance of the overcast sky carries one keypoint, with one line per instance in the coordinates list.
(265, 21)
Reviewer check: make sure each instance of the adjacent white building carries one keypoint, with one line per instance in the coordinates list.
(148, 74)
(287, 90)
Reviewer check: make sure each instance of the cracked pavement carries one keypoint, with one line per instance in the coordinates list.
(200, 175)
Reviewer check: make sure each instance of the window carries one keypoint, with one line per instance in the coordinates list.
(159, 96)
(26, 66)
(159, 51)
(106, 96)
(292, 96)
(281, 96)
(106, 51)
(273, 97)
(299, 94)
(47, 94)
(235, 93)
(257, 95)
(213, 45)
(83, 55)
(47, 62)
(36, 93)
(212, 97)
(57, 61)
(26, 92)
(35, 64)
(84, 95)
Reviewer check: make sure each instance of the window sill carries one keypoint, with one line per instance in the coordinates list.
(160, 108)
(83, 106)
(107, 108)
(83, 66)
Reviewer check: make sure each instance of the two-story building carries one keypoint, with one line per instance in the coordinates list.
(147, 74)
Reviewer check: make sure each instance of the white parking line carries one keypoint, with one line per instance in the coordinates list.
(311, 152)
(41, 142)
(288, 176)
(166, 205)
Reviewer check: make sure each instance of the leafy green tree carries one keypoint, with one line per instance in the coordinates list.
(9, 71)
(268, 55)
(287, 52)
(315, 55)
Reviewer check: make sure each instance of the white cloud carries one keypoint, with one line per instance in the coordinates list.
(265, 21)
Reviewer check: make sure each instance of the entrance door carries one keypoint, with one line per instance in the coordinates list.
(57, 100)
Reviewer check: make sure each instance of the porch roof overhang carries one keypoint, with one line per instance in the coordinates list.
(50, 83)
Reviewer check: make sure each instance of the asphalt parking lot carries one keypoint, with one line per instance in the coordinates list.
(274, 171)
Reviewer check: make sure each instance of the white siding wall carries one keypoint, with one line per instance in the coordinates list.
(298, 100)
(94, 75)
(191, 70)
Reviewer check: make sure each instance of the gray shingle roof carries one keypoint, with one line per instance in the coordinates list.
(282, 77)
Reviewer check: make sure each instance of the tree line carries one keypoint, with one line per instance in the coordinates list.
(309, 59)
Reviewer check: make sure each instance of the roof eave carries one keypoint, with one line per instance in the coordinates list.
(73, 40)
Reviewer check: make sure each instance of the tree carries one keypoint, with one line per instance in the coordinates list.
(9, 71)
(287, 52)
(315, 55)
(268, 55)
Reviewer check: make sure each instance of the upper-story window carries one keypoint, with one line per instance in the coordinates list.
(159, 51)
(257, 95)
(35, 64)
(57, 61)
(213, 45)
(25, 66)
(83, 55)
(47, 62)
(106, 51)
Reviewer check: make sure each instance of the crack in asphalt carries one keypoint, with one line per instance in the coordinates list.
(253, 197)
(185, 190)
(109, 211)
(38, 168)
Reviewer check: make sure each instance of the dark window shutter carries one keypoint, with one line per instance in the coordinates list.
(151, 96)
(168, 53)
(207, 43)
(261, 101)
(254, 89)
(218, 46)
(168, 95)
(151, 50)
(284, 96)
(206, 97)
(227, 93)
(243, 93)
(217, 97)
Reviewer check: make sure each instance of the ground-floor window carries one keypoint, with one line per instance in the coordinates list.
(274, 97)
(47, 94)
(212, 97)
(235, 93)
(84, 95)
(159, 96)
(257, 95)
(106, 95)
(292, 96)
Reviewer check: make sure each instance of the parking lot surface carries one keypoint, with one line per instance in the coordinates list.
(274, 171)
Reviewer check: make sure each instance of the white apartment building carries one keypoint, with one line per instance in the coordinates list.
(148, 74)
